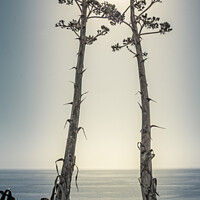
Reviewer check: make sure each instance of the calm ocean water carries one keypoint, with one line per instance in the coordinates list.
(104, 185)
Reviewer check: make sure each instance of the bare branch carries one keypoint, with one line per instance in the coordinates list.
(126, 10)
(90, 10)
(131, 51)
(77, 34)
(78, 5)
(150, 33)
(142, 26)
(127, 24)
(96, 17)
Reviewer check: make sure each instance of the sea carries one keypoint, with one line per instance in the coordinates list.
(179, 184)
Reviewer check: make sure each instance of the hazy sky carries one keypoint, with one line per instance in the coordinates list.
(35, 83)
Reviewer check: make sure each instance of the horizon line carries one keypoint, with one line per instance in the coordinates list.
(103, 169)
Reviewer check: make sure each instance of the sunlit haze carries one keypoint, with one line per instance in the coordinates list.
(35, 58)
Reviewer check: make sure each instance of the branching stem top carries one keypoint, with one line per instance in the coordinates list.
(146, 24)
(95, 10)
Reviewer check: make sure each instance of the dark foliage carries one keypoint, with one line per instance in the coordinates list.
(144, 22)
(140, 4)
(74, 25)
(95, 9)
(90, 39)
(165, 27)
(116, 47)
(106, 10)
(150, 22)
(68, 2)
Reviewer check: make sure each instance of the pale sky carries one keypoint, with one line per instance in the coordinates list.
(35, 83)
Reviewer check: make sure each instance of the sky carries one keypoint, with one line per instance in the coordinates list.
(35, 58)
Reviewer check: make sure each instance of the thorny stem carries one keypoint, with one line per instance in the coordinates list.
(69, 157)
(148, 187)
